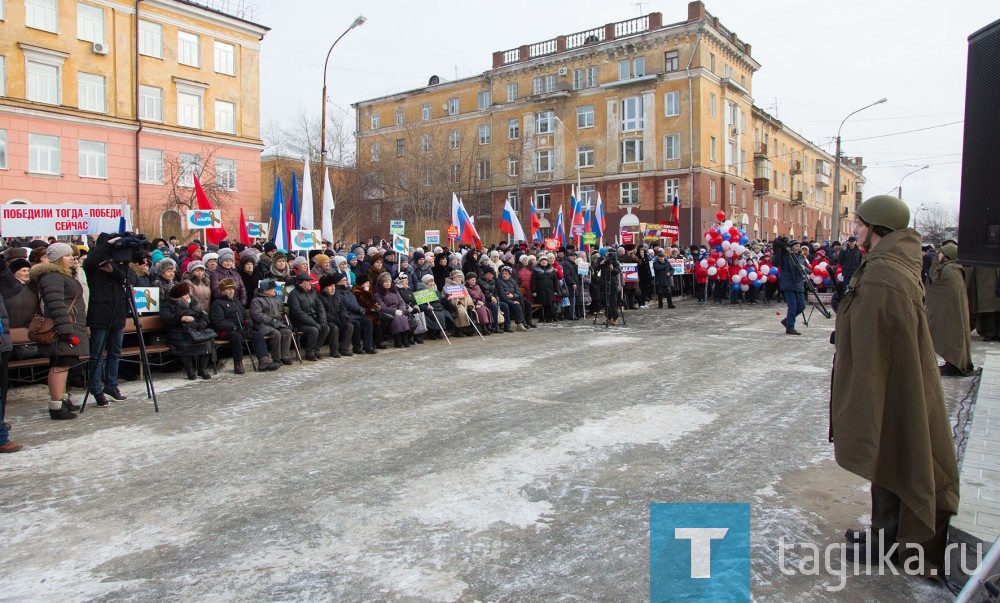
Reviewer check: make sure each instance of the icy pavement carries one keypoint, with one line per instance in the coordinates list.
(516, 469)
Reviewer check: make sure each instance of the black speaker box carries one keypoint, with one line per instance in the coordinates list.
(979, 211)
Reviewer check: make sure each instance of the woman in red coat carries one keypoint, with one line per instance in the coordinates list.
(700, 280)
(722, 283)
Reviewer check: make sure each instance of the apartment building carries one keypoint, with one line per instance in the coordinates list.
(639, 111)
(107, 100)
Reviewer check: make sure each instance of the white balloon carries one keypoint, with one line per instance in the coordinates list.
(727, 245)
(744, 287)
(729, 253)
(765, 268)
(720, 262)
(742, 273)
(704, 263)
(840, 277)
(736, 278)
(817, 279)
(712, 271)
(727, 224)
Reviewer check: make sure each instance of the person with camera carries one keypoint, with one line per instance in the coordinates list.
(308, 315)
(231, 322)
(106, 318)
(792, 268)
(611, 283)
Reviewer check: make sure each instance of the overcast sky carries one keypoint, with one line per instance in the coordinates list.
(819, 62)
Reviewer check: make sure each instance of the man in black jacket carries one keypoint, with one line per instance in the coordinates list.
(308, 315)
(106, 319)
(341, 329)
(356, 316)
(230, 321)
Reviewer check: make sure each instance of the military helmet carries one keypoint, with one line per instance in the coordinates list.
(950, 251)
(885, 210)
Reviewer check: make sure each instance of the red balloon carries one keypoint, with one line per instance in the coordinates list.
(772, 278)
(744, 281)
(721, 216)
(715, 255)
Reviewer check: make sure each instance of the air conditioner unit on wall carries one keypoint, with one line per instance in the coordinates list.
(563, 71)
(99, 48)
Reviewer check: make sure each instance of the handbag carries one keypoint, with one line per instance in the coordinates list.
(418, 323)
(42, 329)
(200, 335)
(562, 289)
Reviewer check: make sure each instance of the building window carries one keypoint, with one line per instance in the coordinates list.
(90, 92)
(543, 84)
(150, 166)
(3, 149)
(544, 122)
(150, 103)
(756, 207)
(150, 39)
(376, 121)
(586, 195)
(732, 195)
(513, 129)
(632, 114)
(376, 151)
(43, 154)
(711, 62)
(93, 159)
(189, 112)
(711, 192)
(584, 157)
(43, 83)
(225, 174)
(225, 117)
(189, 166)
(454, 139)
(376, 212)
(672, 147)
(400, 117)
(483, 169)
(784, 181)
(632, 151)
(727, 71)
(515, 201)
(543, 198)
(453, 106)
(90, 23)
(544, 161)
(425, 177)
(711, 105)
(635, 68)
(513, 167)
(672, 104)
(585, 116)
(455, 174)
(3, 73)
(484, 99)
(225, 58)
(711, 148)
(511, 92)
(485, 134)
(42, 14)
(743, 198)
(671, 189)
(400, 147)
(425, 143)
(624, 67)
(629, 193)
(188, 49)
(671, 61)
(638, 66)
(425, 112)
(591, 77)
(584, 78)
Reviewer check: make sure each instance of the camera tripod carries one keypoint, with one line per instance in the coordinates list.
(610, 293)
(129, 297)
(811, 288)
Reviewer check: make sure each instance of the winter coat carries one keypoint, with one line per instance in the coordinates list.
(366, 299)
(545, 283)
(6, 345)
(250, 282)
(165, 286)
(663, 274)
(228, 315)
(57, 291)
(20, 299)
(171, 312)
(373, 275)
(440, 275)
(349, 302)
(849, 260)
(980, 286)
(390, 300)
(221, 273)
(948, 314)
(524, 276)
(280, 276)
(305, 308)
(267, 313)
(471, 264)
(137, 278)
(107, 291)
(433, 310)
(790, 277)
(336, 314)
(200, 289)
(700, 274)
(888, 421)
(482, 312)
(188, 258)
(489, 289)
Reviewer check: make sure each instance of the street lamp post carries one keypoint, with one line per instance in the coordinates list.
(835, 234)
(322, 128)
(915, 212)
(899, 189)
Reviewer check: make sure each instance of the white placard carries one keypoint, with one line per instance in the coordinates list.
(59, 220)
(204, 218)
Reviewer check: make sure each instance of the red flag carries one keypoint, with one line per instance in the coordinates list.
(212, 235)
(244, 235)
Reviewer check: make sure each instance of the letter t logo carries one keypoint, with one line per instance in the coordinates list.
(701, 547)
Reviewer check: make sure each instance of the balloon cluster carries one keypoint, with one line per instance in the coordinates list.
(725, 238)
(820, 276)
(727, 242)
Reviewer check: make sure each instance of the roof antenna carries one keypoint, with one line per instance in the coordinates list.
(640, 5)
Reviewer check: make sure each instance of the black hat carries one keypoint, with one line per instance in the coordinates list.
(180, 290)
(18, 264)
(329, 279)
(303, 277)
(362, 279)
(852, 239)
(269, 247)
(469, 275)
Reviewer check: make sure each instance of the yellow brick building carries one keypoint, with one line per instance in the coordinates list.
(104, 100)
(637, 111)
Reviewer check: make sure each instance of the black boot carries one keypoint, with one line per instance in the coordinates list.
(203, 367)
(397, 341)
(188, 363)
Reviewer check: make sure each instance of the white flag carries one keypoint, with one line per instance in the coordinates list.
(328, 206)
(306, 212)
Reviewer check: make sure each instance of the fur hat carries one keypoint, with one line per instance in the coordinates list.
(278, 256)
(18, 264)
(469, 275)
(195, 264)
(180, 290)
(226, 254)
(299, 261)
(375, 257)
(329, 279)
(427, 279)
(362, 279)
(385, 276)
(164, 265)
(226, 283)
(208, 257)
(270, 246)
(456, 274)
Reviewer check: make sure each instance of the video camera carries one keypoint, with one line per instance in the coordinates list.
(130, 247)
(781, 244)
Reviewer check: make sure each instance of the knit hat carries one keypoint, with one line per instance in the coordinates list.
(180, 290)
(18, 264)
(193, 247)
(208, 257)
(351, 256)
(456, 274)
(329, 279)
(227, 283)
(385, 276)
(195, 264)
(226, 254)
(299, 261)
(950, 251)
(156, 256)
(338, 260)
(58, 250)
(164, 265)
(469, 275)
(322, 259)
(278, 256)
(506, 268)
(269, 247)
(418, 255)
(267, 284)
(427, 279)
(402, 277)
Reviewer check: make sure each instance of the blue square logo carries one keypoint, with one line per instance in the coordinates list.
(699, 552)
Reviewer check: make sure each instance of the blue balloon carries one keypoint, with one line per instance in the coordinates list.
(725, 237)
(736, 287)
(718, 247)
(827, 281)
(742, 232)
(744, 240)
(774, 271)
(756, 284)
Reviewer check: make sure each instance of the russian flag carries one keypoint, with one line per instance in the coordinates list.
(588, 221)
(599, 224)
(466, 229)
(557, 230)
(675, 210)
(510, 224)
(536, 225)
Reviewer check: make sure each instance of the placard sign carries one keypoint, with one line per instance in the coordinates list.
(45, 220)
(578, 230)
(425, 296)
(589, 238)
(678, 266)
(147, 299)
(628, 238)
(204, 218)
(670, 231)
(306, 240)
(583, 268)
(432, 237)
(258, 230)
(551, 244)
(397, 227)
(630, 272)
(400, 244)
(453, 232)
(454, 291)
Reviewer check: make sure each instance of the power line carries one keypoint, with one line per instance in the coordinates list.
(905, 132)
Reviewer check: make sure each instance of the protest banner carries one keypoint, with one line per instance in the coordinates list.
(432, 237)
(400, 244)
(59, 220)
(551, 244)
(397, 227)
(425, 296)
(204, 218)
(258, 230)
(630, 272)
(147, 299)
(628, 238)
(304, 240)
(454, 291)
(678, 266)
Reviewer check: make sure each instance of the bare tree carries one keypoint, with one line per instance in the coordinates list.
(936, 223)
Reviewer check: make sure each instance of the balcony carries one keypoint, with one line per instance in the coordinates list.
(822, 179)
(731, 83)
(795, 167)
(857, 197)
(760, 149)
(761, 185)
(797, 198)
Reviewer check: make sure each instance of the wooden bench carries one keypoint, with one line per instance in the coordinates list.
(535, 307)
